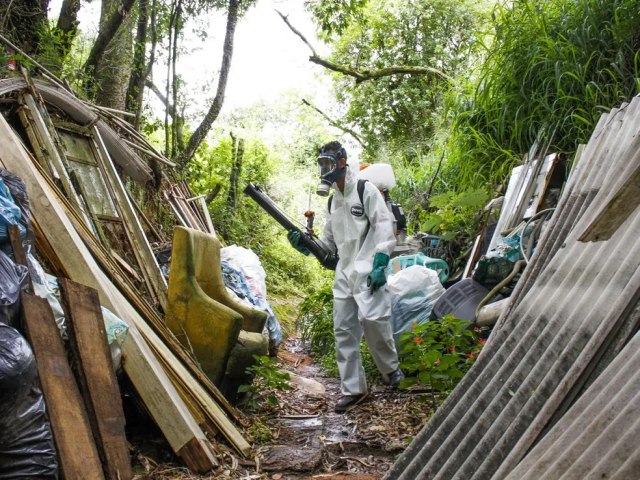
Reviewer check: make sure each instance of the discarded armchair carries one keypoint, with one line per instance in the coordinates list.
(223, 333)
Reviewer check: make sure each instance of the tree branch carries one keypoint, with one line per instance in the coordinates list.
(364, 75)
(334, 123)
(154, 88)
(286, 20)
(214, 110)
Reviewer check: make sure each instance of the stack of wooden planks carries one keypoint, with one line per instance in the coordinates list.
(187, 407)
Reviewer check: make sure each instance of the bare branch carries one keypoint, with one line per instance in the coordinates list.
(364, 75)
(286, 20)
(154, 88)
(334, 123)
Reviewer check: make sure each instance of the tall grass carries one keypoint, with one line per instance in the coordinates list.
(551, 63)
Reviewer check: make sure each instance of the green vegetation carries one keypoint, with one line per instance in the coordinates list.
(553, 64)
(267, 380)
(438, 353)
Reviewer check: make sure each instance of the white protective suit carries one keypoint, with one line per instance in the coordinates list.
(357, 234)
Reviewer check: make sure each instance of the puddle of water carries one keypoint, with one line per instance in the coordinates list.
(302, 423)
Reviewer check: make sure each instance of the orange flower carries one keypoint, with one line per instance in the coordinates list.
(482, 341)
(452, 348)
(470, 355)
(417, 340)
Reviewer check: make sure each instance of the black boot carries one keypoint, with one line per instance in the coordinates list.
(394, 378)
(347, 402)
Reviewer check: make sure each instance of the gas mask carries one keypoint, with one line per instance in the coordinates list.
(329, 171)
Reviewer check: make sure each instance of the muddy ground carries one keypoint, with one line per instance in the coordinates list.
(304, 438)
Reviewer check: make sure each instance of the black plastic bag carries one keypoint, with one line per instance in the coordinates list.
(26, 442)
(13, 278)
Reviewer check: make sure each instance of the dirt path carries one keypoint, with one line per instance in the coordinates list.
(305, 439)
(310, 440)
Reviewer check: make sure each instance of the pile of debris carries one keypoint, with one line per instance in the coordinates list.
(102, 204)
(554, 393)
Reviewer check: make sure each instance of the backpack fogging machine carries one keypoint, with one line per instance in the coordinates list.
(326, 258)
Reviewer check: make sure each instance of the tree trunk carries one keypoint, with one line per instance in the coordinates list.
(67, 27)
(110, 58)
(236, 169)
(135, 92)
(214, 110)
(21, 22)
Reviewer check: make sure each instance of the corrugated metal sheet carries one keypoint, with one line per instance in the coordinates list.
(598, 436)
(575, 304)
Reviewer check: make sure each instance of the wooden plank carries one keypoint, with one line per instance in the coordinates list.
(207, 216)
(88, 339)
(77, 451)
(616, 211)
(156, 391)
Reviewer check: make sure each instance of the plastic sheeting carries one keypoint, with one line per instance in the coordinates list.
(12, 279)
(243, 274)
(414, 291)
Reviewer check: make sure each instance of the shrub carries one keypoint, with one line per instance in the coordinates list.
(437, 353)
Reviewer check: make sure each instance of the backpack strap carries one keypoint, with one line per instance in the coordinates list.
(361, 183)
(329, 203)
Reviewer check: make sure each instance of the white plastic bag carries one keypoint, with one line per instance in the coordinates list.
(415, 279)
(248, 262)
(414, 290)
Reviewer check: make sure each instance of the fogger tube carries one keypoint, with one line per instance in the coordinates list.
(327, 259)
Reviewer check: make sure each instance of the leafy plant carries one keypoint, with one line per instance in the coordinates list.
(267, 380)
(455, 218)
(259, 432)
(455, 214)
(316, 321)
(555, 64)
(437, 353)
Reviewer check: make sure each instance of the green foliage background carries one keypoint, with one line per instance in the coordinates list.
(510, 70)
(554, 64)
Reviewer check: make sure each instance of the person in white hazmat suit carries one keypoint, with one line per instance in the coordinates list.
(362, 234)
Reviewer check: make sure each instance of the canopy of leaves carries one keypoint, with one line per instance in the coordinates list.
(400, 112)
(333, 16)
